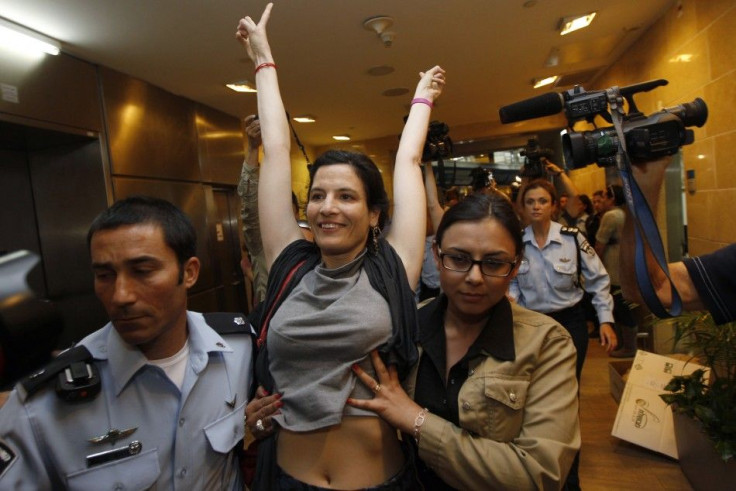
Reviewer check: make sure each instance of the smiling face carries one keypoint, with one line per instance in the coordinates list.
(338, 214)
(538, 206)
(139, 280)
(472, 294)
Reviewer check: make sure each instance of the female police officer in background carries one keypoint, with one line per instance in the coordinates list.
(495, 396)
(558, 267)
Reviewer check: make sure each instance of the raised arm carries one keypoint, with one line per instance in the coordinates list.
(573, 203)
(248, 192)
(433, 203)
(278, 227)
(650, 176)
(408, 226)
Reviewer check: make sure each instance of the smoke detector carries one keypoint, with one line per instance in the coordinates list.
(379, 24)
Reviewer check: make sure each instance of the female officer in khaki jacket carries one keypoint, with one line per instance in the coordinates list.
(494, 394)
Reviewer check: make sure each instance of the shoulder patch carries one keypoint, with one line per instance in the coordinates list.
(7, 457)
(587, 248)
(228, 323)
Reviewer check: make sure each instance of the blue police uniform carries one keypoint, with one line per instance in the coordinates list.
(548, 281)
(149, 433)
(548, 276)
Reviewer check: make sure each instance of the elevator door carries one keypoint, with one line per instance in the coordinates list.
(231, 294)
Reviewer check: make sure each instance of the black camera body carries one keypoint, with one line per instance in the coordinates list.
(438, 144)
(646, 137)
(533, 154)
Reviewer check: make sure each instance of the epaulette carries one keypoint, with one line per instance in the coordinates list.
(569, 230)
(77, 377)
(228, 323)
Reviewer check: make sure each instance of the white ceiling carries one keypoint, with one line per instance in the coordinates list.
(491, 50)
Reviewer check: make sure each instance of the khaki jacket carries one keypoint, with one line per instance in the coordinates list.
(519, 426)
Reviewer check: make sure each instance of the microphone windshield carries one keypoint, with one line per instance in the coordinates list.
(536, 107)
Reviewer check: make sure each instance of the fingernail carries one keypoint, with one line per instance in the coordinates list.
(279, 396)
(350, 400)
(265, 392)
(354, 367)
(279, 404)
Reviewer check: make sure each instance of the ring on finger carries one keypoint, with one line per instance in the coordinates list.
(259, 425)
(377, 388)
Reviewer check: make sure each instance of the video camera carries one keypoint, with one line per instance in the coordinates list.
(646, 137)
(533, 155)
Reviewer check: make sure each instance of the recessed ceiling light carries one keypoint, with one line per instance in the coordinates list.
(682, 58)
(379, 71)
(544, 81)
(395, 92)
(570, 24)
(341, 138)
(305, 119)
(242, 86)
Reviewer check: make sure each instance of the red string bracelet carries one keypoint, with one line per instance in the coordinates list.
(422, 100)
(264, 65)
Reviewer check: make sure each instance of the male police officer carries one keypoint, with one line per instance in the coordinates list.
(172, 390)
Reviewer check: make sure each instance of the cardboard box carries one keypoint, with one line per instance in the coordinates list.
(617, 377)
(643, 418)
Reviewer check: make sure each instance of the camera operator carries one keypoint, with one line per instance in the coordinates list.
(706, 282)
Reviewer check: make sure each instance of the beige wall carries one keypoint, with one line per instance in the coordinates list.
(706, 30)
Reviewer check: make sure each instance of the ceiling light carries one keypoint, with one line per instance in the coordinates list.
(305, 119)
(682, 58)
(544, 81)
(341, 138)
(570, 24)
(379, 24)
(21, 38)
(242, 86)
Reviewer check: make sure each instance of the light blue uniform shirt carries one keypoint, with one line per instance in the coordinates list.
(187, 436)
(547, 276)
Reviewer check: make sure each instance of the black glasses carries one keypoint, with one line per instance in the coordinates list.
(462, 263)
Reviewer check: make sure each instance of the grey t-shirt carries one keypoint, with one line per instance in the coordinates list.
(332, 319)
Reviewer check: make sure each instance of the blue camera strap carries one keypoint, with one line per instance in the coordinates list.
(645, 226)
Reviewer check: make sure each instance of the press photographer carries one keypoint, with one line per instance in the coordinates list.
(534, 156)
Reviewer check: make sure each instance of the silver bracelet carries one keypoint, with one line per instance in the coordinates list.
(418, 422)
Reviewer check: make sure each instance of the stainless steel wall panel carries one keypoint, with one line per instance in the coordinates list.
(61, 89)
(18, 228)
(190, 197)
(69, 193)
(151, 132)
(220, 143)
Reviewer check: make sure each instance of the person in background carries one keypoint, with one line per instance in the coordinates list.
(558, 266)
(607, 245)
(329, 303)
(594, 220)
(248, 192)
(585, 209)
(706, 282)
(492, 402)
(154, 399)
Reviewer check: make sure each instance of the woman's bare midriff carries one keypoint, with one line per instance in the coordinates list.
(357, 453)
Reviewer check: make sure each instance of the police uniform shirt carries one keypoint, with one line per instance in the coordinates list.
(181, 439)
(548, 276)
